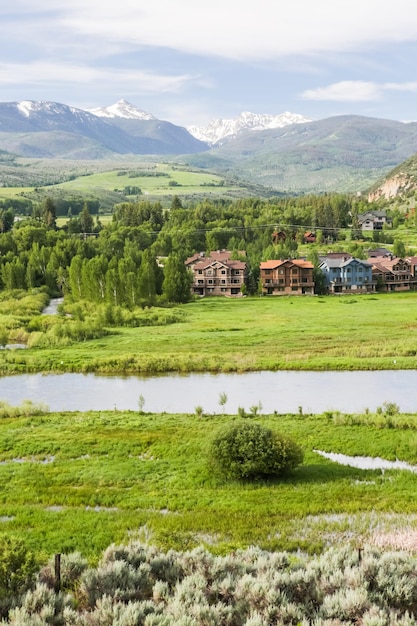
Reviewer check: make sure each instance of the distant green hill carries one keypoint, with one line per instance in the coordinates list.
(342, 153)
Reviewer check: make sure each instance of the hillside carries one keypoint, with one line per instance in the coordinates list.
(342, 153)
(54, 130)
(290, 154)
(400, 181)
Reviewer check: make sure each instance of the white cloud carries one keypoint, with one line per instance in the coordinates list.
(356, 91)
(43, 72)
(268, 30)
(410, 86)
(345, 91)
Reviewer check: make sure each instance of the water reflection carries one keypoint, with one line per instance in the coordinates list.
(367, 462)
(280, 392)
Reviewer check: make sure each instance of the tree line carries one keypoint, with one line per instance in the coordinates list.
(138, 257)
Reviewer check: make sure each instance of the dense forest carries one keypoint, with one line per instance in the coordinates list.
(137, 258)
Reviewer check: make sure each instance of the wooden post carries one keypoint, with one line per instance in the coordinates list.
(57, 585)
(360, 550)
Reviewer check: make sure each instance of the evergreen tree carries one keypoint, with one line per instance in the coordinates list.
(49, 213)
(85, 220)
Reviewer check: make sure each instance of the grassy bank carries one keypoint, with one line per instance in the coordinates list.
(305, 333)
(79, 481)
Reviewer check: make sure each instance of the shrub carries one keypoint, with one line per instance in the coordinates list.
(17, 569)
(248, 450)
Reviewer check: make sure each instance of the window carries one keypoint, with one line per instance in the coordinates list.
(223, 271)
(267, 281)
(210, 281)
(223, 282)
(280, 271)
(200, 271)
(267, 272)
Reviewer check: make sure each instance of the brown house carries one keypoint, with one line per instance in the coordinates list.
(309, 237)
(289, 277)
(217, 274)
(393, 274)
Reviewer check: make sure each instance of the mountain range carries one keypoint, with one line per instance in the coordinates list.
(54, 130)
(341, 153)
(285, 152)
(218, 129)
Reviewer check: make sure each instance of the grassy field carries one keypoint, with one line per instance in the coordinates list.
(261, 333)
(153, 179)
(159, 179)
(79, 481)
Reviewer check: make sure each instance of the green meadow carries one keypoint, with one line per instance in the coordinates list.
(159, 179)
(80, 481)
(249, 334)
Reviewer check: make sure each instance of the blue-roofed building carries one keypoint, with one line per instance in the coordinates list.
(345, 274)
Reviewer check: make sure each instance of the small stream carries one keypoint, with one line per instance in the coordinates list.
(52, 308)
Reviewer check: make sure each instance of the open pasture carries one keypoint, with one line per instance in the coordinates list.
(367, 332)
(79, 481)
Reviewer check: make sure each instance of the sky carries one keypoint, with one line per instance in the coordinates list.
(189, 62)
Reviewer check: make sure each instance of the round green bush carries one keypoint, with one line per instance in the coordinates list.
(248, 450)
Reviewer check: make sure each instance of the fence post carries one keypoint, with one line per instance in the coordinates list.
(57, 585)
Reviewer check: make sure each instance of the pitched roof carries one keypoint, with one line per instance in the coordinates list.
(343, 262)
(272, 264)
(389, 263)
(210, 262)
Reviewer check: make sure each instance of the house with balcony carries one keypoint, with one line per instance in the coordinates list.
(393, 274)
(346, 274)
(373, 220)
(217, 274)
(288, 277)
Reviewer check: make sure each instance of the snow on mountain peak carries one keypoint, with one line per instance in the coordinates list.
(122, 109)
(218, 129)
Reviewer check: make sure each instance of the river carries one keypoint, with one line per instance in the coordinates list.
(283, 392)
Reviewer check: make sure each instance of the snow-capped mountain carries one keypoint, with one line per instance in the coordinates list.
(218, 129)
(54, 130)
(123, 109)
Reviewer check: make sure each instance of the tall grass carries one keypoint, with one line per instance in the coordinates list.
(269, 333)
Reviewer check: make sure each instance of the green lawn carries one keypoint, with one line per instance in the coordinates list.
(79, 481)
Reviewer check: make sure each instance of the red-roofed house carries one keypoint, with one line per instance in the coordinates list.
(393, 274)
(289, 277)
(217, 274)
(309, 237)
